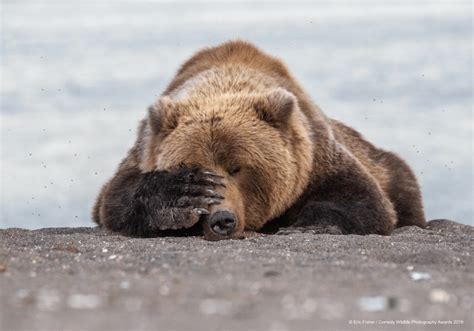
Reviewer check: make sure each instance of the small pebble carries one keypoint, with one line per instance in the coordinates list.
(83, 301)
(375, 303)
(25, 297)
(270, 273)
(416, 276)
(112, 257)
(439, 296)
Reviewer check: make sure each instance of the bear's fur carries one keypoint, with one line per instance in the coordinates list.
(234, 131)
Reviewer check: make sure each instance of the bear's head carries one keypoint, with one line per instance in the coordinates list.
(260, 143)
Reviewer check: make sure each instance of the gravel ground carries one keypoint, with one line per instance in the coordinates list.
(89, 279)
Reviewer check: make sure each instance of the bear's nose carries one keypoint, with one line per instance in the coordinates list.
(222, 223)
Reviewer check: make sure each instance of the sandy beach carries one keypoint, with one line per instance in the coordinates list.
(89, 279)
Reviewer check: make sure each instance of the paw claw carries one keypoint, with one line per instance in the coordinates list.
(209, 173)
(212, 201)
(215, 182)
(201, 211)
(214, 194)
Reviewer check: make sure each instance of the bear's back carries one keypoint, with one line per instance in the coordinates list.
(238, 53)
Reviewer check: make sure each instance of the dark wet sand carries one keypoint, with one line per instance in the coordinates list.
(88, 279)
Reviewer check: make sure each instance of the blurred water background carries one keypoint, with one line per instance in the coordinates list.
(77, 77)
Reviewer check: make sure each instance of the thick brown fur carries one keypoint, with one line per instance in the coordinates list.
(234, 106)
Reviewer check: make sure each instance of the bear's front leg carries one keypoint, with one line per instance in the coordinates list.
(144, 204)
(348, 202)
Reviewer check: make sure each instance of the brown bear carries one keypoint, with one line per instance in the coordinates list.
(234, 144)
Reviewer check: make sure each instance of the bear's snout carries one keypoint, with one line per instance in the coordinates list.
(222, 223)
(226, 219)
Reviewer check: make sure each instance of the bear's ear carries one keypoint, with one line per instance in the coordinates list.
(162, 116)
(275, 107)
